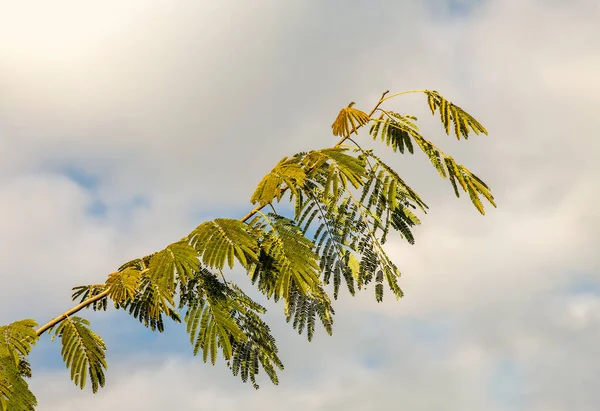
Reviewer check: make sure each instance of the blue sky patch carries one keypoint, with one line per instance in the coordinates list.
(120, 331)
(97, 209)
(80, 177)
(584, 286)
(435, 336)
(462, 7)
(452, 8)
(506, 382)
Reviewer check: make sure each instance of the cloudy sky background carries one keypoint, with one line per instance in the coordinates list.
(124, 124)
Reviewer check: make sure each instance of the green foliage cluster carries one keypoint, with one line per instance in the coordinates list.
(346, 203)
(16, 341)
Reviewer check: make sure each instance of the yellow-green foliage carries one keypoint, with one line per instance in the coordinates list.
(83, 352)
(222, 240)
(16, 341)
(347, 201)
(349, 120)
(399, 131)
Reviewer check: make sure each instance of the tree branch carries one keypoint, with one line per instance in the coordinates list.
(103, 294)
(339, 143)
(72, 311)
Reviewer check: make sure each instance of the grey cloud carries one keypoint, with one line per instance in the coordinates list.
(154, 113)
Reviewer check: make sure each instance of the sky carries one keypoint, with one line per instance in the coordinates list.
(125, 124)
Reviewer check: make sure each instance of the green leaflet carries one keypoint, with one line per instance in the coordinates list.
(287, 268)
(336, 228)
(260, 349)
(264, 273)
(395, 130)
(16, 341)
(150, 303)
(220, 241)
(178, 258)
(208, 317)
(155, 293)
(146, 287)
(291, 173)
(14, 390)
(337, 167)
(291, 253)
(346, 228)
(348, 121)
(221, 316)
(83, 351)
(271, 187)
(123, 285)
(18, 338)
(85, 292)
(386, 199)
(304, 309)
(463, 121)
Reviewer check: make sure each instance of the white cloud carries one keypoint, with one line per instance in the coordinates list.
(334, 383)
(189, 106)
(49, 244)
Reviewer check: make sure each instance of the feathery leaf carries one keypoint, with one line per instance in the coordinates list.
(83, 352)
(271, 187)
(84, 292)
(219, 241)
(291, 255)
(221, 316)
(349, 120)
(463, 121)
(123, 285)
(16, 341)
(150, 303)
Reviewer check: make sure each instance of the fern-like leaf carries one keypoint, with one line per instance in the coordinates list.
(209, 320)
(179, 259)
(337, 228)
(84, 292)
(220, 241)
(150, 303)
(260, 348)
(123, 285)
(14, 390)
(291, 254)
(336, 168)
(450, 113)
(83, 352)
(393, 125)
(287, 174)
(304, 310)
(349, 120)
(16, 341)
(18, 337)
(152, 298)
(349, 231)
(221, 316)
(394, 130)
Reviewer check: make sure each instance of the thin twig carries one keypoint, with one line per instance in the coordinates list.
(72, 311)
(339, 143)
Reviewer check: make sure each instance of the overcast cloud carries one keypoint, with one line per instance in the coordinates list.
(124, 124)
